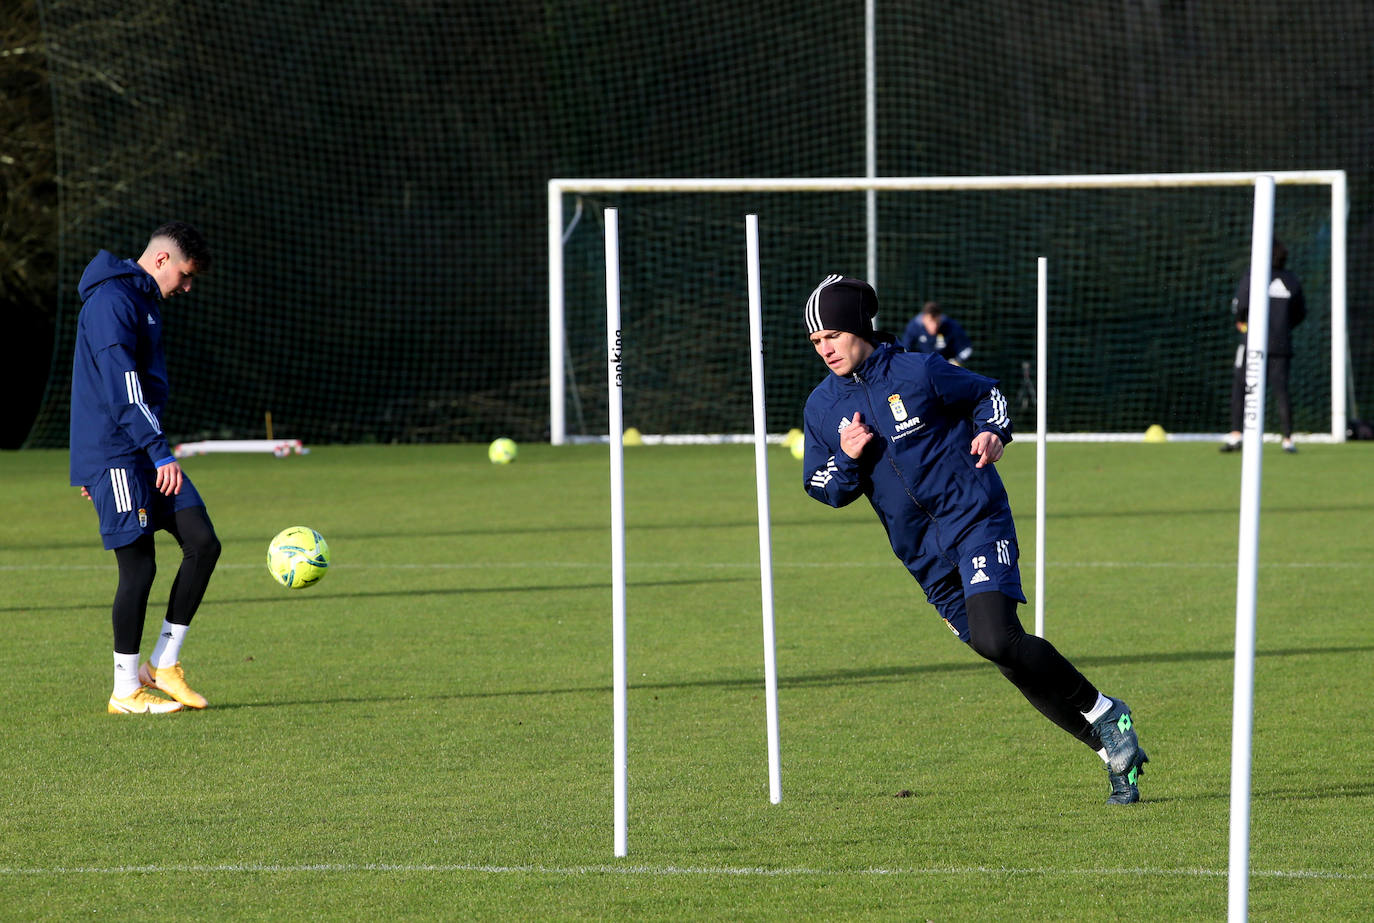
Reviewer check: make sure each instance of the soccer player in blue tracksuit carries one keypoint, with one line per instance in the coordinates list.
(918, 437)
(121, 460)
(933, 331)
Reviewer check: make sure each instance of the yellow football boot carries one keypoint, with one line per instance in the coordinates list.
(172, 681)
(142, 702)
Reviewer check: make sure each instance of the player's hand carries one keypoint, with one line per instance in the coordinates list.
(855, 437)
(168, 480)
(86, 493)
(987, 447)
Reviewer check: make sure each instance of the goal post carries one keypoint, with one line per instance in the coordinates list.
(960, 232)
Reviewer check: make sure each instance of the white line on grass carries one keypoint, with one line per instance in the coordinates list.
(662, 871)
(688, 565)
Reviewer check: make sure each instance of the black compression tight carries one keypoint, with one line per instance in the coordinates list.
(137, 567)
(1276, 377)
(199, 552)
(1042, 674)
(137, 562)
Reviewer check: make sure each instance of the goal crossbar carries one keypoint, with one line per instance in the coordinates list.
(558, 188)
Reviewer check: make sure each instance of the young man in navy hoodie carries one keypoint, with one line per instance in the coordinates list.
(918, 437)
(121, 460)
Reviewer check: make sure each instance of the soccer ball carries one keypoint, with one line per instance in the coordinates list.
(502, 451)
(298, 557)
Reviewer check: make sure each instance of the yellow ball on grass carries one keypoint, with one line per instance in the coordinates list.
(502, 451)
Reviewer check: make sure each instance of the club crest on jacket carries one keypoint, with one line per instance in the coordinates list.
(894, 401)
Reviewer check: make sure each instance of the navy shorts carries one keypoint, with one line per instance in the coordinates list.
(982, 569)
(130, 506)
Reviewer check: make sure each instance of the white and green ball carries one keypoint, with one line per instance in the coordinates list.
(502, 451)
(298, 557)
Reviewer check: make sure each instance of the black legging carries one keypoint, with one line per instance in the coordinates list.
(1047, 680)
(1276, 377)
(137, 562)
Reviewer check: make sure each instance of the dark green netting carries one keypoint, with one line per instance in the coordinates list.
(1133, 341)
(372, 177)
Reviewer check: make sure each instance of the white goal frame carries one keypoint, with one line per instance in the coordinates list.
(558, 188)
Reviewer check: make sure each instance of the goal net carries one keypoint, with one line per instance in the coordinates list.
(1142, 270)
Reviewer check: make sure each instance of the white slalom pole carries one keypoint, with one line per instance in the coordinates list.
(557, 324)
(1042, 290)
(871, 134)
(617, 435)
(1340, 335)
(1247, 560)
(770, 665)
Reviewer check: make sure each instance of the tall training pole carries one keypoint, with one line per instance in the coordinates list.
(871, 134)
(770, 666)
(1340, 335)
(1042, 289)
(617, 436)
(1247, 559)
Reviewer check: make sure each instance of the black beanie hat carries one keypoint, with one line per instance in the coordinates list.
(844, 304)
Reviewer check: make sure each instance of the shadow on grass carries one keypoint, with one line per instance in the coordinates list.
(165, 544)
(828, 678)
(599, 527)
(1051, 514)
(439, 591)
(1314, 792)
(820, 521)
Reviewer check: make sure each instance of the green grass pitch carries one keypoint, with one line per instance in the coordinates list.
(426, 734)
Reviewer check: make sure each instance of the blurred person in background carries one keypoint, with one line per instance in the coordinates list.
(933, 331)
(1287, 309)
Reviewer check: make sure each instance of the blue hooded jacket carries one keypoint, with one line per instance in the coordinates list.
(119, 375)
(917, 472)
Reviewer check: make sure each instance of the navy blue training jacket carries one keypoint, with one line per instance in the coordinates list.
(119, 375)
(949, 340)
(917, 472)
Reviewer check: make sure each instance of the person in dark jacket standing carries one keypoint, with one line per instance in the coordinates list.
(121, 460)
(919, 437)
(933, 331)
(1287, 309)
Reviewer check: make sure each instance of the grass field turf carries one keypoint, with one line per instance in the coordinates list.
(427, 733)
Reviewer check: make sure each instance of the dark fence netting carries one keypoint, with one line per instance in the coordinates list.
(372, 178)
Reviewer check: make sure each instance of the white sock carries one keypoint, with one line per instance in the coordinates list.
(1103, 753)
(125, 674)
(167, 651)
(1103, 706)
